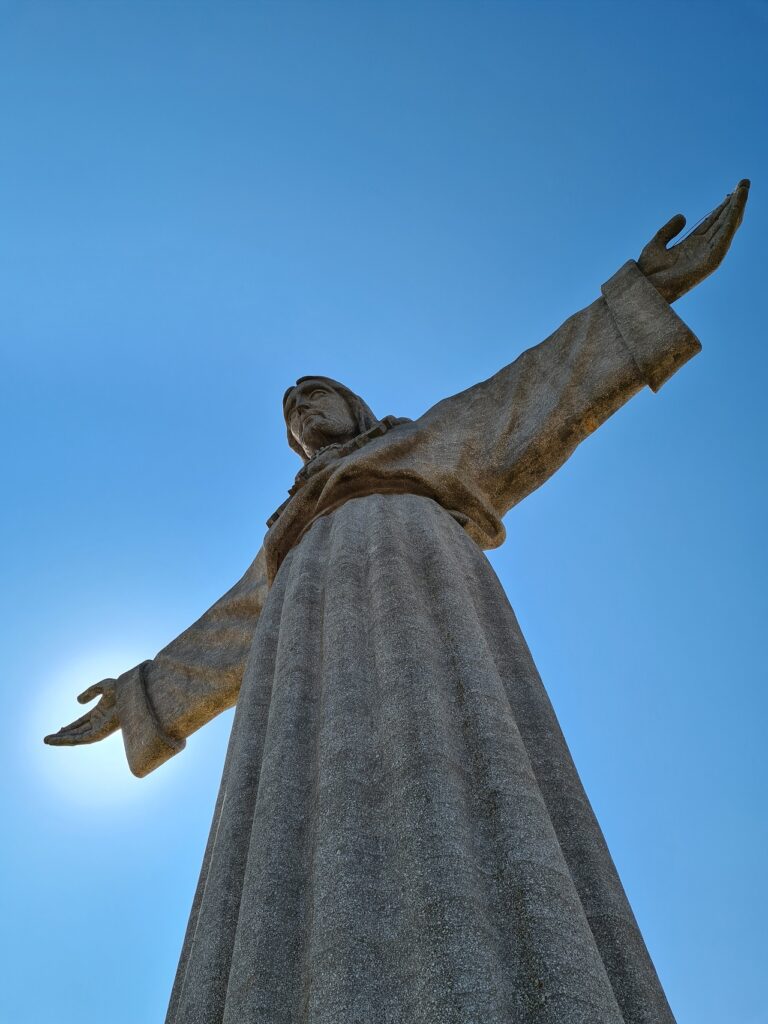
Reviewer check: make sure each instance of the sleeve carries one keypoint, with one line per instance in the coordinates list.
(197, 676)
(509, 433)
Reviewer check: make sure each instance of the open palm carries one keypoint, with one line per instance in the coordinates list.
(98, 723)
(675, 271)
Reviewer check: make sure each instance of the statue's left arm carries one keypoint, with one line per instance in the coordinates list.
(510, 433)
(160, 702)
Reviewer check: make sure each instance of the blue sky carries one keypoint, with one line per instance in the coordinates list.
(201, 202)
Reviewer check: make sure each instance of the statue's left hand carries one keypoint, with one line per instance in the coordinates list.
(98, 723)
(675, 271)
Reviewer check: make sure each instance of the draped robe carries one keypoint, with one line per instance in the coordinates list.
(401, 836)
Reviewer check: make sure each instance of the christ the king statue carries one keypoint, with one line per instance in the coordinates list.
(401, 836)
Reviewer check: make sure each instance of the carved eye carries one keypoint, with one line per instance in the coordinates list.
(317, 391)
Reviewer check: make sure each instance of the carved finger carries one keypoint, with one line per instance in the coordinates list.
(77, 724)
(89, 733)
(94, 691)
(735, 212)
(712, 219)
(97, 723)
(69, 737)
(666, 233)
(721, 232)
(90, 694)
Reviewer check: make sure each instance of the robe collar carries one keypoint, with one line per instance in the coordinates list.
(332, 453)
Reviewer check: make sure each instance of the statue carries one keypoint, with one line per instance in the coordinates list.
(401, 836)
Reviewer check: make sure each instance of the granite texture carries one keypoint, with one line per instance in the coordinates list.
(401, 835)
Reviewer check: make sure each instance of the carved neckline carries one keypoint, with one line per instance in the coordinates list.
(332, 453)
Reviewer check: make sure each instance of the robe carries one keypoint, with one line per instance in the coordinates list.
(401, 836)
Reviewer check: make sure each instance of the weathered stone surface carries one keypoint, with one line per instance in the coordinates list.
(401, 836)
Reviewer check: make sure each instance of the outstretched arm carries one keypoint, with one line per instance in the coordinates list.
(508, 434)
(159, 703)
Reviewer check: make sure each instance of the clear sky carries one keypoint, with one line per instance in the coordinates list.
(202, 201)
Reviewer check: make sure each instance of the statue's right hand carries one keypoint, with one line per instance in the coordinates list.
(98, 723)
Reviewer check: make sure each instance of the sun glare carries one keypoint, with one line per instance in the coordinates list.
(92, 774)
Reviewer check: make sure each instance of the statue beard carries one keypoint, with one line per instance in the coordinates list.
(322, 430)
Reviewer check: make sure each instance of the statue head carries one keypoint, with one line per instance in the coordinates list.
(319, 411)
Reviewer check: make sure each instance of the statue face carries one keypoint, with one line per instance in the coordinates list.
(317, 416)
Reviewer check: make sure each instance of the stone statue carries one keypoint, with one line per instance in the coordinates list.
(401, 836)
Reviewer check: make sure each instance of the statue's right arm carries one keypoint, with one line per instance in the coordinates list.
(502, 438)
(160, 702)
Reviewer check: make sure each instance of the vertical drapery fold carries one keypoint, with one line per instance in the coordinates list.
(402, 836)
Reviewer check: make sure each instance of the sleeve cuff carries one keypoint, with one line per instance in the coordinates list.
(657, 338)
(147, 745)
